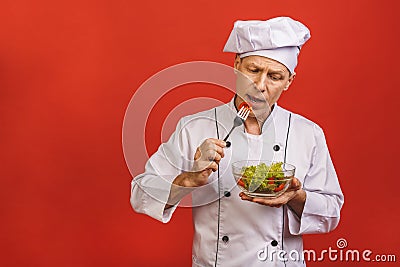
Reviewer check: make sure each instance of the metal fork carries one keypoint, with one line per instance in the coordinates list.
(241, 116)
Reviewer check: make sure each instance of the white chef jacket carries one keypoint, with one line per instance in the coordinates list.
(227, 230)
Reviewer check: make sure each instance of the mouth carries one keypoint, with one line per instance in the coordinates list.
(255, 100)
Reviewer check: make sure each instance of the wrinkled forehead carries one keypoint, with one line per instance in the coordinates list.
(265, 63)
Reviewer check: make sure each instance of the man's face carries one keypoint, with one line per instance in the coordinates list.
(260, 82)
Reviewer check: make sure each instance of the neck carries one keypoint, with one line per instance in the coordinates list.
(253, 126)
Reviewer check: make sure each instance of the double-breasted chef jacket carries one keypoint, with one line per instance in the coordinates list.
(229, 231)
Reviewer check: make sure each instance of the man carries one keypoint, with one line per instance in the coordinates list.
(231, 228)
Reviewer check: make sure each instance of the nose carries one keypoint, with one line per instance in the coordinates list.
(261, 82)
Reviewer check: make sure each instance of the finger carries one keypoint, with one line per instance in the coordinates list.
(197, 155)
(295, 184)
(243, 196)
(213, 166)
(217, 142)
(212, 155)
(202, 165)
(217, 158)
(212, 148)
(211, 145)
(275, 202)
(262, 201)
(220, 151)
(207, 171)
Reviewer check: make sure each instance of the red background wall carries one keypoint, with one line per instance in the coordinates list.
(69, 68)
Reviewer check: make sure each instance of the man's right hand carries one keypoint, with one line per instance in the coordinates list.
(206, 160)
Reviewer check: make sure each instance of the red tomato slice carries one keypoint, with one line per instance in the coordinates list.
(244, 104)
(241, 183)
(279, 188)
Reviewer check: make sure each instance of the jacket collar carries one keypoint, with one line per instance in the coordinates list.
(268, 121)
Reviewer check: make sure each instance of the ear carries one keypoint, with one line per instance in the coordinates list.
(237, 62)
(289, 82)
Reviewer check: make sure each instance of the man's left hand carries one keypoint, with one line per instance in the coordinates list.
(292, 192)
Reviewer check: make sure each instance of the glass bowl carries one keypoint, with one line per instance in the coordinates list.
(263, 178)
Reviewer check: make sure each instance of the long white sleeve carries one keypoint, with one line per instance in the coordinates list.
(150, 190)
(324, 199)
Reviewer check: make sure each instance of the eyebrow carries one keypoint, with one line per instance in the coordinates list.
(271, 70)
(282, 72)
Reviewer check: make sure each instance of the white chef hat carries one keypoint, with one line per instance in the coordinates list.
(278, 38)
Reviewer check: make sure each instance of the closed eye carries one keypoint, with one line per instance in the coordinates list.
(275, 77)
(253, 70)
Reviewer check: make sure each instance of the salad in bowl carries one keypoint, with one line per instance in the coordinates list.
(262, 178)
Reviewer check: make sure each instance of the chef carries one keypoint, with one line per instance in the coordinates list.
(194, 166)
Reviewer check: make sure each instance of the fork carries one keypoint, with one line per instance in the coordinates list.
(241, 116)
